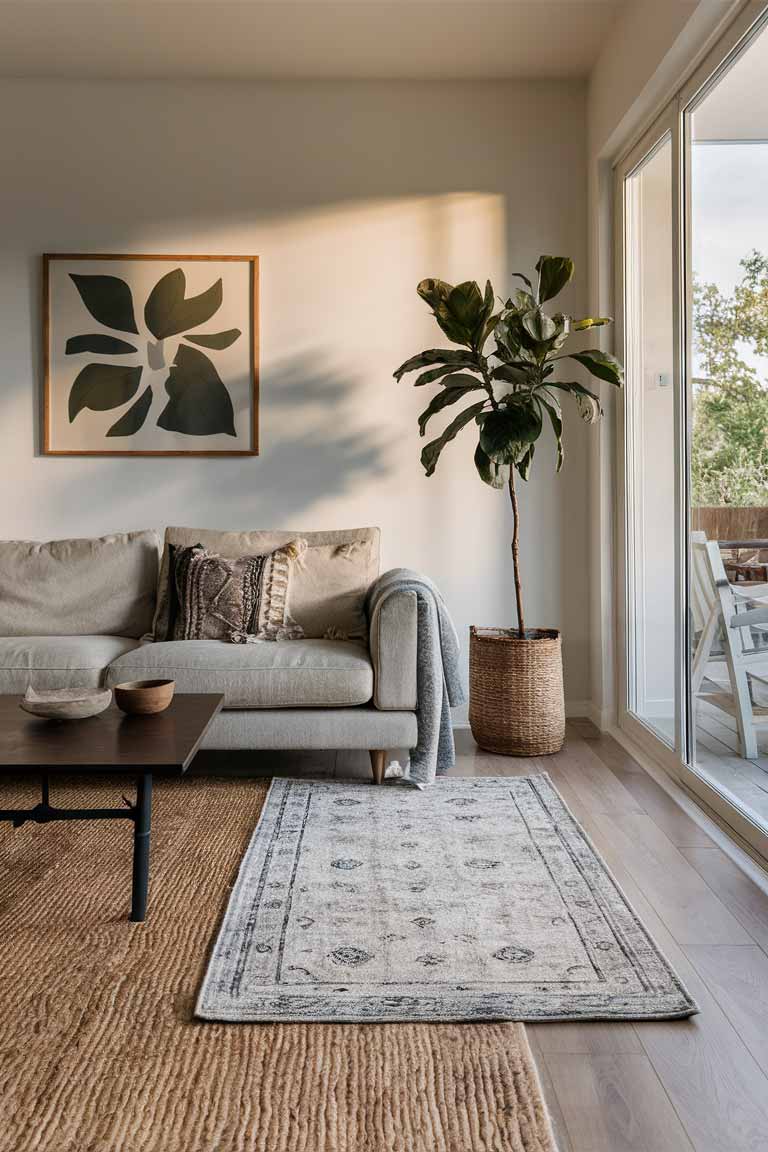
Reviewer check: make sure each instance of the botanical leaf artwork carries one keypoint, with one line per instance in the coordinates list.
(198, 402)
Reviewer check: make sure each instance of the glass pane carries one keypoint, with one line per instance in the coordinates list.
(728, 293)
(650, 440)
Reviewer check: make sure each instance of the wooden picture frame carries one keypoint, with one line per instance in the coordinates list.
(95, 370)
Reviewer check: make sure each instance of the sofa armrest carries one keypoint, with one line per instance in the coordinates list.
(393, 634)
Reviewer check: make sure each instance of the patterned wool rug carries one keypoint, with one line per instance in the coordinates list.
(475, 899)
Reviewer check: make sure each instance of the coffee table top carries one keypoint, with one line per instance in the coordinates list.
(109, 742)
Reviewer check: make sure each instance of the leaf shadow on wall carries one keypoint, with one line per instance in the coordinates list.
(313, 448)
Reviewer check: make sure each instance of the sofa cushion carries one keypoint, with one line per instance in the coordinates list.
(328, 587)
(58, 661)
(103, 586)
(283, 674)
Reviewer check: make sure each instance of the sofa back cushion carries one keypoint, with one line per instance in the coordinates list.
(328, 585)
(89, 587)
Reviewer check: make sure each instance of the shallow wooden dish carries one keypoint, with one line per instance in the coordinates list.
(66, 703)
(144, 697)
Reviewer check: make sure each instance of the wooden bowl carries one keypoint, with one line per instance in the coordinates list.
(144, 697)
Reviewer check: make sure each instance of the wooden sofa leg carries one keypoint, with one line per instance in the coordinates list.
(378, 764)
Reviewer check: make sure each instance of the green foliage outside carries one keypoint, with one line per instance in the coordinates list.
(729, 449)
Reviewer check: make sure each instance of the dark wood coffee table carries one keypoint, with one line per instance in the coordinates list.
(109, 744)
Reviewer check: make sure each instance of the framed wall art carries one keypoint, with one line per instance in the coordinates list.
(150, 355)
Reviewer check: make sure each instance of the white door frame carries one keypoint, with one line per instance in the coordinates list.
(673, 123)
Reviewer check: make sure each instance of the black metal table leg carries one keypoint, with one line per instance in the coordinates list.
(141, 830)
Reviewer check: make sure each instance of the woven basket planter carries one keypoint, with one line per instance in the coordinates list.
(516, 702)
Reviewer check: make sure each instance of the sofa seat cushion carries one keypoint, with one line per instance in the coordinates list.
(58, 661)
(284, 674)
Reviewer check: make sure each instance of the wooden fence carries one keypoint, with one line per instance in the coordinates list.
(731, 523)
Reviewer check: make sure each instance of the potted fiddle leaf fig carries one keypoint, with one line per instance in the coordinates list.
(504, 370)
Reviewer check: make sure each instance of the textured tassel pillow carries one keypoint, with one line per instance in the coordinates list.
(240, 600)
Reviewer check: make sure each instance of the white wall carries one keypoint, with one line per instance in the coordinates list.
(349, 193)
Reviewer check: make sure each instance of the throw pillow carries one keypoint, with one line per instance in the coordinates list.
(240, 600)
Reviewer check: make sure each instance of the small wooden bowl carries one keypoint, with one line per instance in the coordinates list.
(144, 697)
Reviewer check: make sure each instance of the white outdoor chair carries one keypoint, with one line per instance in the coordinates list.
(721, 613)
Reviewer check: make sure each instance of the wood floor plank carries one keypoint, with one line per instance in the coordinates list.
(738, 978)
(578, 769)
(556, 1117)
(614, 756)
(747, 902)
(692, 912)
(676, 824)
(594, 1039)
(615, 1104)
(717, 1088)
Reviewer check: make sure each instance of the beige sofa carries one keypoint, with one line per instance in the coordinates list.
(85, 612)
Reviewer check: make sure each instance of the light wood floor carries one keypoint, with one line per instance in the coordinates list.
(699, 1084)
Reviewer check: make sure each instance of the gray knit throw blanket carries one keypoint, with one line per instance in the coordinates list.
(438, 682)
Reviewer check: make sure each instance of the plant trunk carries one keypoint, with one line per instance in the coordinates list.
(516, 553)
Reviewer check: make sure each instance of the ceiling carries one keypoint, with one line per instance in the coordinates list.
(312, 39)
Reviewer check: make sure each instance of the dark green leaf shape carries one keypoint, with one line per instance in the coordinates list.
(554, 273)
(465, 304)
(434, 292)
(438, 293)
(216, 339)
(600, 364)
(430, 453)
(525, 280)
(507, 431)
(448, 396)
(588, 402)
(512, 375)
(133, 419)
(108, 299)
(199, 403)
(451, 356)
(523, 465)
(497, 475)
(167, 312)
(103, 386)
(552, 408)
(99, 343)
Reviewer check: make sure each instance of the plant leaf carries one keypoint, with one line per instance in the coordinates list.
(449, 395)
(167, 312)
(99, 343)
(216, 339)
(108, 299)
(554, 273)
(452, 356)
(103, 386)
(505, 432)
(435, 374)
(430, 453)
(552, 409)
(465, 303)
(591, 322)
(512, 375)
(199, 404)
(497, 475)
(524, 279)
(434, 292)
(539, 326)
(600, 364)
(524, 463)
(133, 419)
(588, 403)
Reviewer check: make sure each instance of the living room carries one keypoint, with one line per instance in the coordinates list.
(260, 597)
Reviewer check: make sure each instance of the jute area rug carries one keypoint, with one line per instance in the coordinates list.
(475, 899)
(99, 1050)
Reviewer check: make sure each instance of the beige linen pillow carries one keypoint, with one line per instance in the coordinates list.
(328, 585)
(105, 586)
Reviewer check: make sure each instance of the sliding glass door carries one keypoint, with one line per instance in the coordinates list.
(692, 289)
